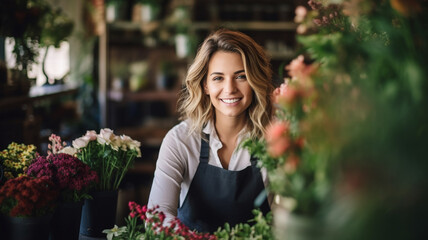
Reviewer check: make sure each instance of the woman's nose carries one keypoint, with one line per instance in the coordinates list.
(230, 85)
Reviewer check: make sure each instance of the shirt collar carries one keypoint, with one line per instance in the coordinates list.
(210, 129)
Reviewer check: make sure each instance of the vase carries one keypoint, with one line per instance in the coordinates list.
(27, 228)
(292, 226)
(99, 213)
(66, 221)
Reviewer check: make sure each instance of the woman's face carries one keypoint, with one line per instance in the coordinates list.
(227, 85)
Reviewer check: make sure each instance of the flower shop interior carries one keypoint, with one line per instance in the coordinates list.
(345, 155)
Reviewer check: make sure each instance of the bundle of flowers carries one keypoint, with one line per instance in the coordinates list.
(28, 197)
(16, 159)
(107, 154)
(349, 142)
(145, 223)
(72, 176)
(297, 169)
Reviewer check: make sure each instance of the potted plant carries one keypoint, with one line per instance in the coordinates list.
(29, 203)
(72, 178)
(110, 156)
(179, 23)
(149, 10)
(15, 160)
(145, 223)
(31, 24)
(115, 10)
(56, 28)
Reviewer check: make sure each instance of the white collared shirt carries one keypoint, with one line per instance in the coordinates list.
(177, 163)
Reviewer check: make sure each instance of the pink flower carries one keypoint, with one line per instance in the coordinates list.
(277, 139)
(297, 69)
(301, 13)
(92, 135)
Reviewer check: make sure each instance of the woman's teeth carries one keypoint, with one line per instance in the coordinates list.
(230, 100)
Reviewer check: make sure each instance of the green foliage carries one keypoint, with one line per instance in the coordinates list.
(260, 227)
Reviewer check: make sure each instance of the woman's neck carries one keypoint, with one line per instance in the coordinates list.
(229, 128)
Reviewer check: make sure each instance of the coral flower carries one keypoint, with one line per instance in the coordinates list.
(277, 139)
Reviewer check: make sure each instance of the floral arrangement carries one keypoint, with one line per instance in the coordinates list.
(26, 196)
(352, 120)
(145, 223)
(16, 159)
(71, 176)
(107, 154)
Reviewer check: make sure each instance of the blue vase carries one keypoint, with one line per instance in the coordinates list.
(99, 213)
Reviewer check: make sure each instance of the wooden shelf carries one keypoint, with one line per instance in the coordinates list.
(126, 96)
(145, 27)
(248, 25)
(37, 94)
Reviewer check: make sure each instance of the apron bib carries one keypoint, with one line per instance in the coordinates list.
(217, 195)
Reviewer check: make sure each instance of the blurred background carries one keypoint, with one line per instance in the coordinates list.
(71, 66)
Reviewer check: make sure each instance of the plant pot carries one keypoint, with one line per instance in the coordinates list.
(292, 226)
(182, 45)
(66, 221)
(99, 213)
(27, 228)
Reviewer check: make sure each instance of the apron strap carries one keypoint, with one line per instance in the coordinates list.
(205, 149)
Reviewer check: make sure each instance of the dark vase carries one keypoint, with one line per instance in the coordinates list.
(27, 228)
(66, 221)
(98, 213)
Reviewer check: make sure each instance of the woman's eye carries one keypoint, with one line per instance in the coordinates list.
(243, 76)
(216, 78)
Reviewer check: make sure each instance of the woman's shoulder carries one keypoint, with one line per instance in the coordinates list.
(181, 132)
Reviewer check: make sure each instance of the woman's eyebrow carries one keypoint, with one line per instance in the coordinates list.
(220, 73)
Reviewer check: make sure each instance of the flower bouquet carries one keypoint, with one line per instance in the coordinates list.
(28, 204)
(348, 147)
(107, 154)
(26, 196)
(71, 176)
(110, 156)
(15, 159)
(144, 223)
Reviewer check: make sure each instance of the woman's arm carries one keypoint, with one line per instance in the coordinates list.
(170, 168)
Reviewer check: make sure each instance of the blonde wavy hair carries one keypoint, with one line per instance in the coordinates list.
(196, 106)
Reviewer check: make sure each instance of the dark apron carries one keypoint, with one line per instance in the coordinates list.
(217, 195)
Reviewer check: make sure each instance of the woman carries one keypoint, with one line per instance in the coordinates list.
(202, 174)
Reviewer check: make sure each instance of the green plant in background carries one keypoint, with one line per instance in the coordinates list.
(32, 24)
(57, 28)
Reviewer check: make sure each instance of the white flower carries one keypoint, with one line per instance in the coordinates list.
(81, 142)
(116, 143)
(68, 150)
(91, 134)
(115, 231)
(126, 141)
(106, 136)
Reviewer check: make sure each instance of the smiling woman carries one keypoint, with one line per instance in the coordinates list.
(201, 167)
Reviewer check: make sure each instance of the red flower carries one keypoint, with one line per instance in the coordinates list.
(15, 200)
(66, 171)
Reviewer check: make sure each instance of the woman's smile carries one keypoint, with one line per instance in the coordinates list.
(227, 85)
